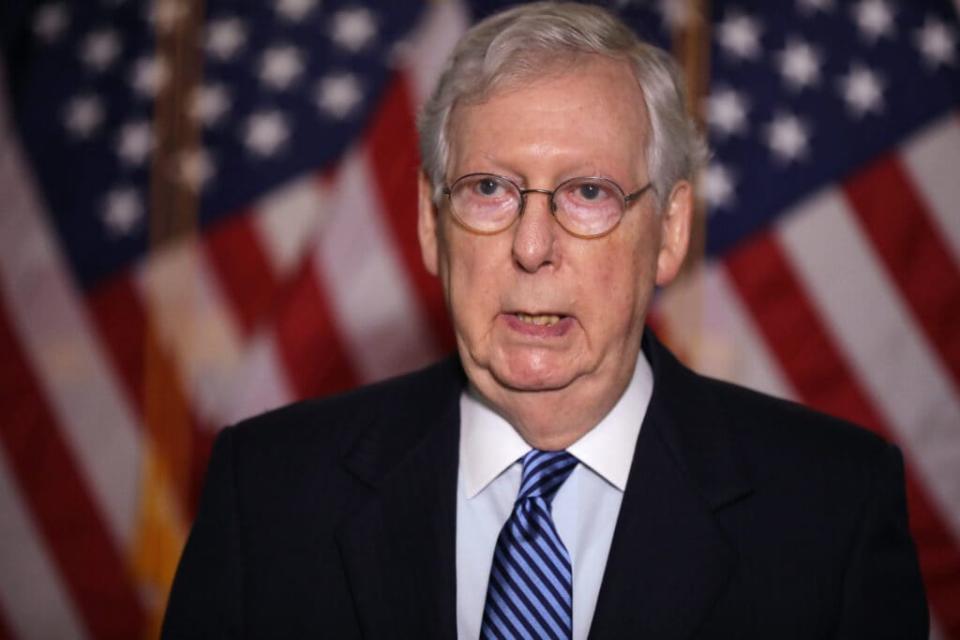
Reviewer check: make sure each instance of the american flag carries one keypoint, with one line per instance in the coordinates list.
(206, 212)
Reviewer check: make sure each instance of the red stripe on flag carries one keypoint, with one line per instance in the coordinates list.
(55, 490)
(5, 632)
(805, 351)
(242, 267)
(392, 149)
(907, 240)
(309, 341)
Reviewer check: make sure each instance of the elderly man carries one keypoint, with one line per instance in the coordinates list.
(564, 476)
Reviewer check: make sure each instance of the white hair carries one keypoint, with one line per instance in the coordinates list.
(550, 36)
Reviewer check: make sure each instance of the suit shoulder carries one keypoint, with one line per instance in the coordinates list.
(778, 426)
(340, 418)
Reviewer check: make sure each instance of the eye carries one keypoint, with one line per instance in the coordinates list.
(487, 186)
(590, 191)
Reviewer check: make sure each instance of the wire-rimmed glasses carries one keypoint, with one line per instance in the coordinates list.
(586, 207)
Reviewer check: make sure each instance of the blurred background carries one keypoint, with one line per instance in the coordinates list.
(207, 209)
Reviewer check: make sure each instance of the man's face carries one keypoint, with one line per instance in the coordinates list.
(533, 307)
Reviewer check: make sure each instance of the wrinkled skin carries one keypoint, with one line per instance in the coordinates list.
(554, 381)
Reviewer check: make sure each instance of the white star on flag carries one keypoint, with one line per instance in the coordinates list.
(196, 169)
(787, 137)
(135, 142)
(727, 112)
(83, 115)
(100, 49)
(800, 64)
(51, 21)
(338, 95)
(862, 90)
(149, 75)
(937, 42)
(280, 66)
(814, 6)
(265, 133)
(295, 10)
(874, 19)
(225, 37)
(739, 35)
(716, 186)
(353, 29)
(210, 102)
(122, 211)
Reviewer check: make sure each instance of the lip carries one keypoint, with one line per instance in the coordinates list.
(557, 330)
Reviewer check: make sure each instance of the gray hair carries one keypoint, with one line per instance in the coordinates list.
(524, 41)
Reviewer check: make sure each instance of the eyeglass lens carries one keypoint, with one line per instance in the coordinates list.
(583, 206)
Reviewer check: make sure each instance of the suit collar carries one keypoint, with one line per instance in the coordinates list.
(398, 546)
(669, 561)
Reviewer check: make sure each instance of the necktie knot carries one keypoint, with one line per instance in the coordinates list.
(543, 473)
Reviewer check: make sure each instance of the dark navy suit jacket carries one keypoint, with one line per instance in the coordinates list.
(743, 517)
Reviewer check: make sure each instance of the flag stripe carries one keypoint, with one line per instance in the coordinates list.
(32, 597)
(245, 274)
(875, 336)
(425, 53)
(262, 383)
(55, 488)
(731, 330)
(308, 340)
(932, 159)
(909, 244)
(91, 411)
(370, 293)
(392, 149)
(178, 283)
(289, 220)
(805, 351)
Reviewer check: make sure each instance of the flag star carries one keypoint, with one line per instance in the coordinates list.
(51, 21)
(862, 90)
(874, 19)
(225, 37)
(717, 186)
(739, 35)
(209, 104)
(800, 64)
(338, 95)
(195, 169)
(676, 14)
(265, 132)
(83, 115)
(149, 75)
(165, 15)
(295, 10)
(100, 50)
(937, 42)
(135, 142)
(280, 66)
(353, 29)
(813, 6)
(122, 211)
(727, 112)
(788, 137)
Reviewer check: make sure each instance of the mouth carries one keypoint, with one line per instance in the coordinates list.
(539, 319)
(539, 325)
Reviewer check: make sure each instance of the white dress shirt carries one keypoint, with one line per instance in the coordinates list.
(585, 508)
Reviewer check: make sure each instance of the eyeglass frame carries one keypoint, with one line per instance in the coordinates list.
(628, 199)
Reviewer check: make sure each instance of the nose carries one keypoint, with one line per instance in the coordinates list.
(535, 236)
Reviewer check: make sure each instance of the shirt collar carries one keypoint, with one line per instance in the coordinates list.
(489, 444)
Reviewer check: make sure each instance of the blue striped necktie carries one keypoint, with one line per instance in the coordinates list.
(530, 593)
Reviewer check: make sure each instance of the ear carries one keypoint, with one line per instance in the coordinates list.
(427, 224)
(675, 224)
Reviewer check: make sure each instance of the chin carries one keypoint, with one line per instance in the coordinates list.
(524, 374)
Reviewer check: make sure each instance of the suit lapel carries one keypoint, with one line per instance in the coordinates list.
(669, 561)
(398, 548)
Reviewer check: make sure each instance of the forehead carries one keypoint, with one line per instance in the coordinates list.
(587, 114)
